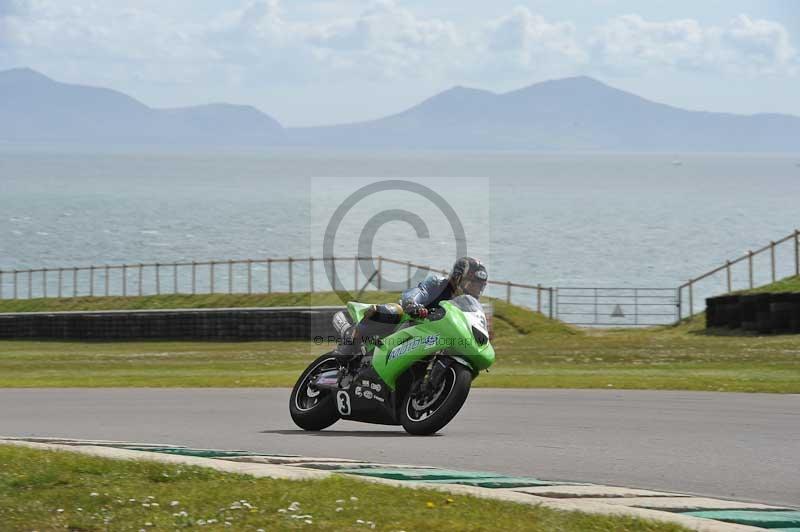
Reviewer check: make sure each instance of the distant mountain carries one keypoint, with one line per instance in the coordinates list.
(35, 108)
(568, 114)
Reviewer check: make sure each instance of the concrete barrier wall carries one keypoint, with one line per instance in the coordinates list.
(276, 323)
(762, 313)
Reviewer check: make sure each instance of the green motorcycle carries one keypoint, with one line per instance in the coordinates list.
(418, 376)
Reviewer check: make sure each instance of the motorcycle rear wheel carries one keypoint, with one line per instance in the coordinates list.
(310, 408)
(422, 416)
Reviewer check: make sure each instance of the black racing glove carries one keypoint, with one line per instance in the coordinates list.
(415, 310)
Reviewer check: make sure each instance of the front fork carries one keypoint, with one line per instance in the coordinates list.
(433, 374)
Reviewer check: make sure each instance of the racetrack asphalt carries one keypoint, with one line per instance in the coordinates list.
(727, 445)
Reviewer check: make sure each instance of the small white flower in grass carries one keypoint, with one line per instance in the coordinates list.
(174, 503)
(309, 521)
(154, 504)
(360, 521)
(148, 524)
(80, 509)
(340, 509)
(227, 523)
(281, 510)
(211, 521)
(94, 494)
(145, 505)
(261, 530)
(353, 498)
(294, 506)
(60, 510)
(201, 522)
(150, 497)
(339, 501)
(131, 500)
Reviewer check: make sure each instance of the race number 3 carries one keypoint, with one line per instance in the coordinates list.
(343, 402)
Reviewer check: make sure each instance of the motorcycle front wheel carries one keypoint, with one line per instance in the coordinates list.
(312, 408)
(425, 413)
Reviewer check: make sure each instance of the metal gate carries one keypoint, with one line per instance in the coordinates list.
(621, 307)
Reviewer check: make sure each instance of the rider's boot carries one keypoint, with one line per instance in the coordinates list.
(350, 346)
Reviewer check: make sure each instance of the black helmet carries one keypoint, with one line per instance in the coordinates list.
(468, 277)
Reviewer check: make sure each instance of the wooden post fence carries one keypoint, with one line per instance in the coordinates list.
(797, 252)
(269, 276)
(174, 270)
(539, 298)
(311, 275)
(249, 277)
(772, 259)
(211, 276)
(290, 276)
(728, 274)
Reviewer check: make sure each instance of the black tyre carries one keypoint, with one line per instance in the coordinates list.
(312, 408)
(422, 415)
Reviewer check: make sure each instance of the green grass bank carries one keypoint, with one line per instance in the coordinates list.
(532, 351)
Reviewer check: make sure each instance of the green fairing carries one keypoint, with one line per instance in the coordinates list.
(453, 332)
(357, 310)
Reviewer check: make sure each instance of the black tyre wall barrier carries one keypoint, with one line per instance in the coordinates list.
(762, 313)
(296, 323)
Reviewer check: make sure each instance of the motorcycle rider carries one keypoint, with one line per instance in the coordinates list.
(468, 276)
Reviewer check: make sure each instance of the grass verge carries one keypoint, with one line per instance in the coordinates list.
(47, 490)
(789, 284)
(532, 351)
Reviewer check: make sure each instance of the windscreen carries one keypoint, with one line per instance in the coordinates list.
(468, 303)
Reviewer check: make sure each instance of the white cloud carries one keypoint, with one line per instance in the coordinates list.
(534, 39)
(250, 46)
(759, 42)
(387, 40)
(743, 45)
(12, 7)
(383, 41)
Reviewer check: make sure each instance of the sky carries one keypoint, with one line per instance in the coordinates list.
(311, 62)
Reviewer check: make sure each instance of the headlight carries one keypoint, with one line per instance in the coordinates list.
(479, 335)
